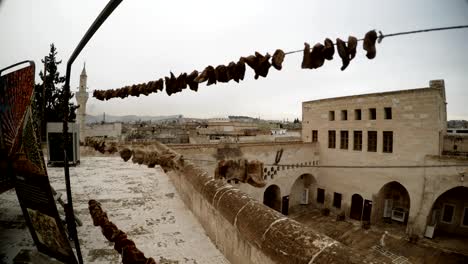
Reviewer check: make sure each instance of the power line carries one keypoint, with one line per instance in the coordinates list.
(421, 31)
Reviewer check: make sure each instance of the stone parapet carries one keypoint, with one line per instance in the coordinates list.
(247, 231)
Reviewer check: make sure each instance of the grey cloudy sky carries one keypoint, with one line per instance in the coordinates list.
(144, 40)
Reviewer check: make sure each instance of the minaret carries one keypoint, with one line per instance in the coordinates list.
(81, 99)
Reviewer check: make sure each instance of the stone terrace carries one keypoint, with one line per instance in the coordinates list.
(140, 201)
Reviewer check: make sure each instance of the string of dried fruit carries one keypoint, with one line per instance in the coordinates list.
(166, 159)
(134, 90)
(100, 145)
(122, 244)
(312, 59)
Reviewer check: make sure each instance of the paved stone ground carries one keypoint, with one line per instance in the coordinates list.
(396, 249)
(140, 201)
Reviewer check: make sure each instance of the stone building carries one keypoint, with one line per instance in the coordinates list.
(382, 158)
(106, 130)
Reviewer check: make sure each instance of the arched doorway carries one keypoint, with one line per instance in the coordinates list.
(392, 205)
(272, 197)
(357, 203)
(449, 216)
(302, 192)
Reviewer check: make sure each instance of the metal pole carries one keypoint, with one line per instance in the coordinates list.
(110, 7)
(43, 122)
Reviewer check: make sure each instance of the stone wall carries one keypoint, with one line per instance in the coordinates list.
(456, 144)
(110, 130)
(418, 122)
(245, 230)
(297, 159)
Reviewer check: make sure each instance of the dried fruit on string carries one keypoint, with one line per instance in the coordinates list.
(221, 74)
(240, 69)
(264, 65)
(191, 80)
(328, 49)
(171, 84)
(120, 244)
(211, 76)
(316, 56)
(126, 154)
(160, 84)
(109, 230)
(133, 255)
(99, 95)
(278, 58)
(231, 71)
(306, 64)
(352, 46)
(343, 52)
(181, 82)
(369, 44)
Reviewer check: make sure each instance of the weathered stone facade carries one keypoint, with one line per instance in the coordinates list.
(410, 126)
(405, 180)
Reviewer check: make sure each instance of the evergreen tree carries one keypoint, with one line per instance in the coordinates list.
(51, 89)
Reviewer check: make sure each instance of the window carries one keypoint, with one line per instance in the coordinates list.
(447, 213)
(388, 112)
(344, 114)
(357, 138)
(465, 217)
(344, 139)
(372, 141)
(320, 195)
(314, 135)
(337, 200)
(388, 141)
(331, 115)
(357, 114)
(372, 114)
(331, 138)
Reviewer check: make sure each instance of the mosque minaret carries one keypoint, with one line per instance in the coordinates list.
(81, 99)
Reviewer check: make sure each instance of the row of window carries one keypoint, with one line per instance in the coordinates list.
(371, 114)
(387, 137)
(448, 211)
(336, 198)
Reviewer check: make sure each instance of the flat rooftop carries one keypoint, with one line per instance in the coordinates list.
(371, 95)
(140, 201)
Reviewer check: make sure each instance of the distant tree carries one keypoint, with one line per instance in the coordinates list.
(53, 95)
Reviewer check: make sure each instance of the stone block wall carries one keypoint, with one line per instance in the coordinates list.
(418, 122)
(245, 230)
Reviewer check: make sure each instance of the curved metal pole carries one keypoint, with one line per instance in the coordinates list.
(110, 7)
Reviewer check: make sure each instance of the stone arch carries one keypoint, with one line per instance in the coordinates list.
(357, 205)
(391, 204)
(304, 182)
(272, 197)
(448, 217)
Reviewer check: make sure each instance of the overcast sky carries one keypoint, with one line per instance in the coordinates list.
(144, 40)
